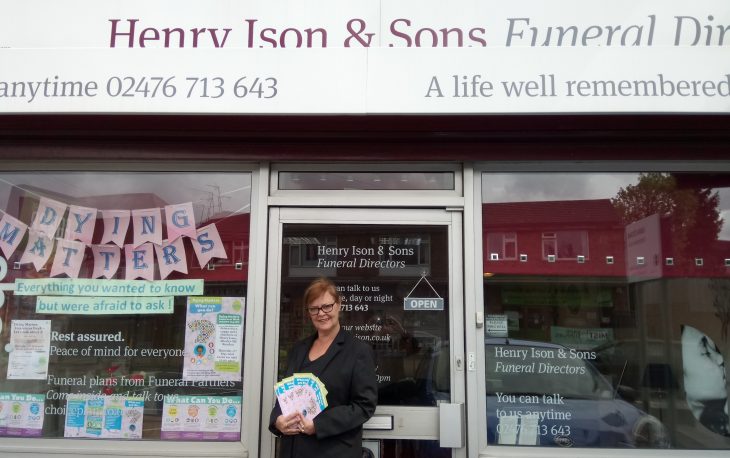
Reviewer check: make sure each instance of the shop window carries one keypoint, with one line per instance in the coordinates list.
(565, 244)
(624, 348)
(240, 252)
(123, 316)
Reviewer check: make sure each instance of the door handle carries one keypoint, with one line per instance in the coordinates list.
(451, 425)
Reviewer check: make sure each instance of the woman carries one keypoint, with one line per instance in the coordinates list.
(345, 365)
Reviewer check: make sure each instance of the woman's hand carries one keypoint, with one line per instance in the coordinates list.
(289, 425)
(307, 425)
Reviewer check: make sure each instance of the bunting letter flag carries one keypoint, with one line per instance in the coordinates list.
(38, 249)
(140, 262)
(180, 221)
(146, 248)
(147, 226)
(106, 260)
(171, 257)
(48, 217)
(80, 224)
(11, 233)
(207, 244)
(116, 223)
(68, 258)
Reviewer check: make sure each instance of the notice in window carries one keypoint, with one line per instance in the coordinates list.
(213, 338)
(21, 414)
(30, 344)
(104, 417)
(201, 418)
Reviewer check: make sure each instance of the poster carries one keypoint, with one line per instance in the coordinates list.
(497, 325)
(30, 344)
(21, 414)
(201, 418)
(213, 338)
(104, 417)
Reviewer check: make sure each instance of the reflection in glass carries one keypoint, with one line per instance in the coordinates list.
(394, 448)
(337, 181)
(626, 274)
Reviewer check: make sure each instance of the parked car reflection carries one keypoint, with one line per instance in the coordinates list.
(546, 394)
(635, 364)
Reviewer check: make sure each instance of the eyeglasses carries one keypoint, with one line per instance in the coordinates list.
(326, 308)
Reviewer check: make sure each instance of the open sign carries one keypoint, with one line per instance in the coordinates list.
(423, 303)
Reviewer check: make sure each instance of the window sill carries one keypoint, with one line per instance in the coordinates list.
(559, 452)
(86, 447)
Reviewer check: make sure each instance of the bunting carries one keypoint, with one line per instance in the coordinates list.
(68, 258)
(12, 232)
(180, 221)
(38, 249)
(207, 245)
(106, 260)
(147, 226)
(80, 225)
(171, 257)
(140, 261)
(48, 216)
(116, 223)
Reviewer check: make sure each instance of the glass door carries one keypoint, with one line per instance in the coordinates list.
(399, 274)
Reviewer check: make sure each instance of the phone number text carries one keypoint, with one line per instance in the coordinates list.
(261, 87)
(144, 87)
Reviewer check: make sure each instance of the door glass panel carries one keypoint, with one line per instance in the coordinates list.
(394, 284)
(609, 327)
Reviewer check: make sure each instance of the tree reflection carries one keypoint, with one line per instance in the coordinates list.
(692, 212)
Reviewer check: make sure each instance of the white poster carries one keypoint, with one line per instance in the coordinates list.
(497, 325)
(30, 345)
(213, 338)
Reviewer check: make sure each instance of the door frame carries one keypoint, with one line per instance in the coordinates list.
(423, 422)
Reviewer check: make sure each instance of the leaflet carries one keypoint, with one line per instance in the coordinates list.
(201, 418)
(302, 392)
(30, 345)
(21, 414)
(104, 417)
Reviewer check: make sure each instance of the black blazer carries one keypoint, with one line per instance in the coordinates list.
(348, 373)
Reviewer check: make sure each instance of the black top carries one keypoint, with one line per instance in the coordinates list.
(314, 366)
(347, 370)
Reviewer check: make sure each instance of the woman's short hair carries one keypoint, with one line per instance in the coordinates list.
(318, 287)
